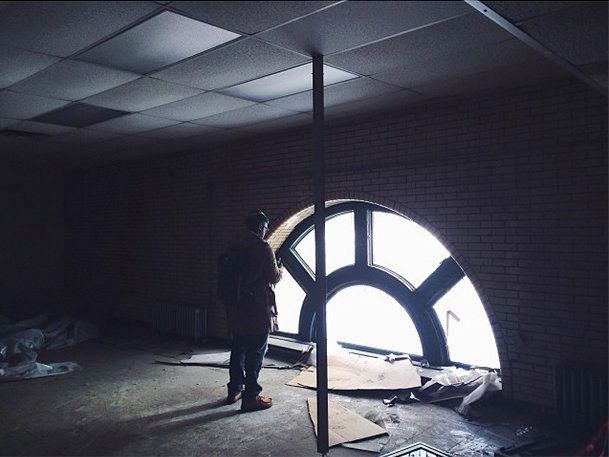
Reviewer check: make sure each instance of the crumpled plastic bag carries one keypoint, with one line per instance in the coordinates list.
(21, 347)
(21, 342)
(31, 370)
(490, 383)
(455, 378)
(68, 332)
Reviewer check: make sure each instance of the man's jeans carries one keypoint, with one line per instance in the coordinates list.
(247, 353)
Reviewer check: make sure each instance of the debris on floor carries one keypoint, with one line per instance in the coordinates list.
(21, 342)
(214, 359)
(358, 372)
(401, 397)
(490, 384)
(344, 425)
(453, 383)
(31, 370)
(222, 360)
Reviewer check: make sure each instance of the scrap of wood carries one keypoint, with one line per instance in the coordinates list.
(344, 425)
(220, 358)
(353, 372)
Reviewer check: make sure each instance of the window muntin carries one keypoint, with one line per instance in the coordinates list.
(290, 295)
(404, 247)
(340, 244)
(350, 320)
(469, 336)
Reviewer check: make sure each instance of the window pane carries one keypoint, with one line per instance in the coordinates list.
(340, 243)
(469, 335)
(368, 316)
(289, 297)
(404, 247)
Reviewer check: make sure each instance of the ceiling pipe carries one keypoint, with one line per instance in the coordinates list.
(536, 45)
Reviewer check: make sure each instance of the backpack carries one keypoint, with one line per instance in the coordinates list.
(231, 267)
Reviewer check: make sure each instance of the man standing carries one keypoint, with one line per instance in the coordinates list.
(252, 315)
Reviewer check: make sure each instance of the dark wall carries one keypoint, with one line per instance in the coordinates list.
(32, 241)
(514, 184)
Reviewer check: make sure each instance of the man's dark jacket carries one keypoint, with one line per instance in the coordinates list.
(256, 308)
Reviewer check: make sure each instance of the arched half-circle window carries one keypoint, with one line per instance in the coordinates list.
(392, 286)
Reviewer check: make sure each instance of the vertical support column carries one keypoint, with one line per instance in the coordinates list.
(320, 253)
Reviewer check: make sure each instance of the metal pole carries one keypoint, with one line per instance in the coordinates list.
(320, 253)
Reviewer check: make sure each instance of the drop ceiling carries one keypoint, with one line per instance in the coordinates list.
(89, 81)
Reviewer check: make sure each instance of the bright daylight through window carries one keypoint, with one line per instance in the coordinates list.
(379, 267)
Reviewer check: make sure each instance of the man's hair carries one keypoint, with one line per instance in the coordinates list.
(255, 220)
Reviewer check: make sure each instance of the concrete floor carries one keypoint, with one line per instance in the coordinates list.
(122, 403)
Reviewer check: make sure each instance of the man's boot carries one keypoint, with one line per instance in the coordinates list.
(256, 403)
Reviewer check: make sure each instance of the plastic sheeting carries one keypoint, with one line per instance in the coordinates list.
(490, 383)
(470, 385)
(21, 342)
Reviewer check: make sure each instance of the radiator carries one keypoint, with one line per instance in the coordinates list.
(182, 320)
(581, 394)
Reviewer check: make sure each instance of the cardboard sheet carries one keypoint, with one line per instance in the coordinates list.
(344, 425)
(354, 372)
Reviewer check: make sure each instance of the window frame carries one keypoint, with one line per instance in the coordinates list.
(417, 302)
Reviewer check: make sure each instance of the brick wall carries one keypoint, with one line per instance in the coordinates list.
(514, 184)
(31, 245)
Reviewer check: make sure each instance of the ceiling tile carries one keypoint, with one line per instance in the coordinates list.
(4, 123)
(249, 17)
(284, 83)
(71, 80)
(244, 116)
(42, 128)
(431, 42)
(79, 115)
(577, 34)
(512, 53)
(198, 106)
(23, 106)
(142, 94)
(84, 136)
(132, 123)
(157, 42)
(62, 28)
(351, 24)
(333, 95)
(180, 131)
(515, 11)
(242, 61)
(18, 64)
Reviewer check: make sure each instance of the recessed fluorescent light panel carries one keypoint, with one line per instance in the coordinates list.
(79, 115)
(288, 82)
(160, 41)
